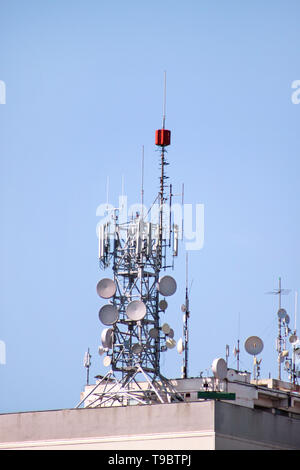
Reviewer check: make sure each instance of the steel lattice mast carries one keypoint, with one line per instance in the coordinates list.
(137, 251)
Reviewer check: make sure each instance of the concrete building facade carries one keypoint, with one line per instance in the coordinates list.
(262, 417)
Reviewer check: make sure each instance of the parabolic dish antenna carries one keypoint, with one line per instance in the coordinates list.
(106, 288)
(171, 333)
(163, 305)
(286, 319)
(180, 346)
(108, 314)
(170, 343)
(167, 286)
(281, 313)
(153, 333)
(107, 337)
(293, 339)
(136, 348)
(107, 361)
(219, 368)
(166, 328)
(136, 310)
(254, 345)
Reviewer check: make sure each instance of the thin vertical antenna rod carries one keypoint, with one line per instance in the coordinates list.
(164, 102)
(296, 308)
(107, 191)
(187, 314)
(182, 211)
(238, 345)
(142, 185)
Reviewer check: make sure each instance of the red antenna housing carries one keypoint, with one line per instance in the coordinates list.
(162, 137)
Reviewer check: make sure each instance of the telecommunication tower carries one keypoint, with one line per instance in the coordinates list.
(134, 338)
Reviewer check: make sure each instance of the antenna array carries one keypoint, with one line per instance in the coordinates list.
(137, 251)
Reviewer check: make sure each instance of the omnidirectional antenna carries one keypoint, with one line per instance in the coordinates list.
(87, 364)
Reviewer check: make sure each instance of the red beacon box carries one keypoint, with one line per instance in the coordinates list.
(162, 137)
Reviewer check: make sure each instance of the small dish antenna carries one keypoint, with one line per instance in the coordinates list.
(167, 286)
(171, 333)
(108, 314)
(281, 313)
(136, 310)
(293, 339)
(219, 368)
(166, 328)
(163, 305)
(107, 361)
(106, 288)
(170, 343)
(254, 345)
(137, 348)
(107, 337)
(153, 333)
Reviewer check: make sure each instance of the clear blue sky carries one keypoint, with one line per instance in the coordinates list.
(84, 85)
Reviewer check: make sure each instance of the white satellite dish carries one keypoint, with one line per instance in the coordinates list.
(136, 310)
(170, 343)
(108, 314)
(136, 348)
(286, 319)
(163, 305)
(107, 337)
(153, 333)
(180, 346)
(166, 328)
(106, 288)
(219, 368)
(254, 345)
(167, 286)
(107, 361)
(281, 313)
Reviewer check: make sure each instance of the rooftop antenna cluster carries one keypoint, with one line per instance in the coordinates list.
(135, 335)
(286, 335)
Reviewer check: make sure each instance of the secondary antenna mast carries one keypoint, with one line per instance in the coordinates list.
(282, 318)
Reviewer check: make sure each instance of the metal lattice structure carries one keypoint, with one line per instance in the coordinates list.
(137, 251)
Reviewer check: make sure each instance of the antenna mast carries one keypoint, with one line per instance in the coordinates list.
(185, 326)
(282, 315)
(134, 338)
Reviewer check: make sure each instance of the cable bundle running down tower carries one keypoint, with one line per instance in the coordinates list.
(134, 338)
